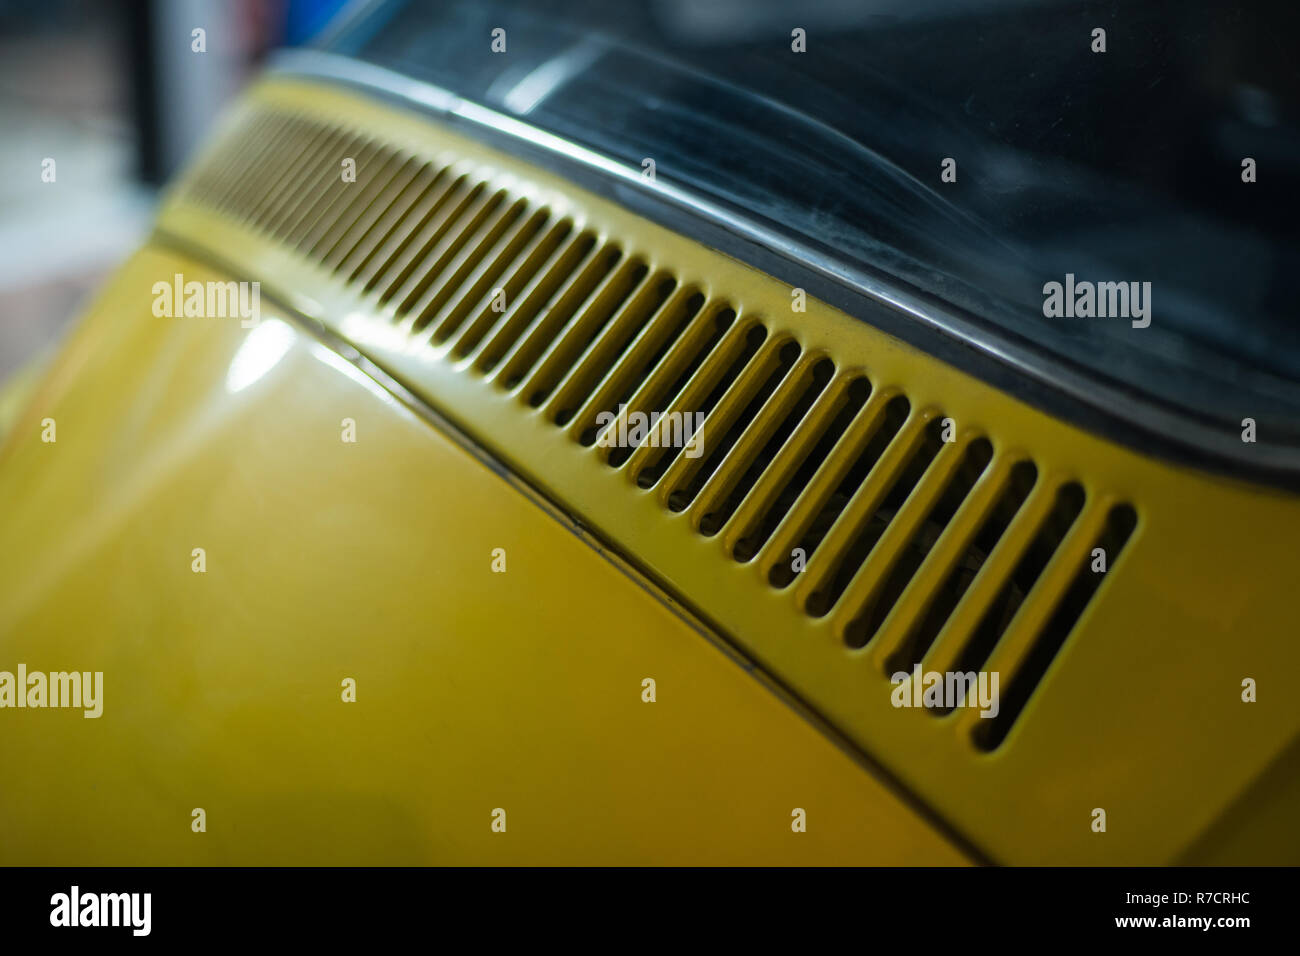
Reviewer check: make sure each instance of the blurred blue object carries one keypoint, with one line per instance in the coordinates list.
(305, 18)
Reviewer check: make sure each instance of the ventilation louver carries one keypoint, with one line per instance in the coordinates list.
(875, 517)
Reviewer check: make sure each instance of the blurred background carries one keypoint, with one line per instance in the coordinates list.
(114, 92)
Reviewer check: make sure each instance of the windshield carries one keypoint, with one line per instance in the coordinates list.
(1122, 200)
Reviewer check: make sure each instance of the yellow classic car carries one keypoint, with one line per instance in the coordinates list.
(596, 434)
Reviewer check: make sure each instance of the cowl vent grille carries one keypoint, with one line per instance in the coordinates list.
(909, 532)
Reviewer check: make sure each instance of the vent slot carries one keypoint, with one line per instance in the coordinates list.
(333, 196)
(847, 405)
(444, 304)
(728, 415)
(878, 438)
(472, 282)
(364, 205)
(999, 614)
(976, 458)
(390, 219)
(535, 296)
(555, 316)
(585, 327)
(700, 373)
(264, 166)
(608, 345)
(1121, 520)
(661, 335)
(383, 204)
(386, 264)
(823, 599)
(422, 294)
(422, 246)
(277, 189)
(944, 601)
(288, 177)
(231, 156)
(812, 382)
(671, 377)
(532, 248)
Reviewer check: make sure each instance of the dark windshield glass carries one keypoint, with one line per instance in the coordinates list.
(1071, 166)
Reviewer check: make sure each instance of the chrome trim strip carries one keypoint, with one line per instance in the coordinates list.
(1157, 422)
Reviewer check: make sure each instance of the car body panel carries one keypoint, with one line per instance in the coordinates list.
(372, 560)
(1142, 705)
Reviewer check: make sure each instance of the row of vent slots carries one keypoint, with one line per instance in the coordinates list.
(432, 216)
(1067, 506)
(406, 246)
(396, 231)
(976, 458)
(584, 307)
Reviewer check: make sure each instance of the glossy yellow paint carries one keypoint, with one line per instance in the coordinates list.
(1141, 713)
(17, 389)
(328, 560)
